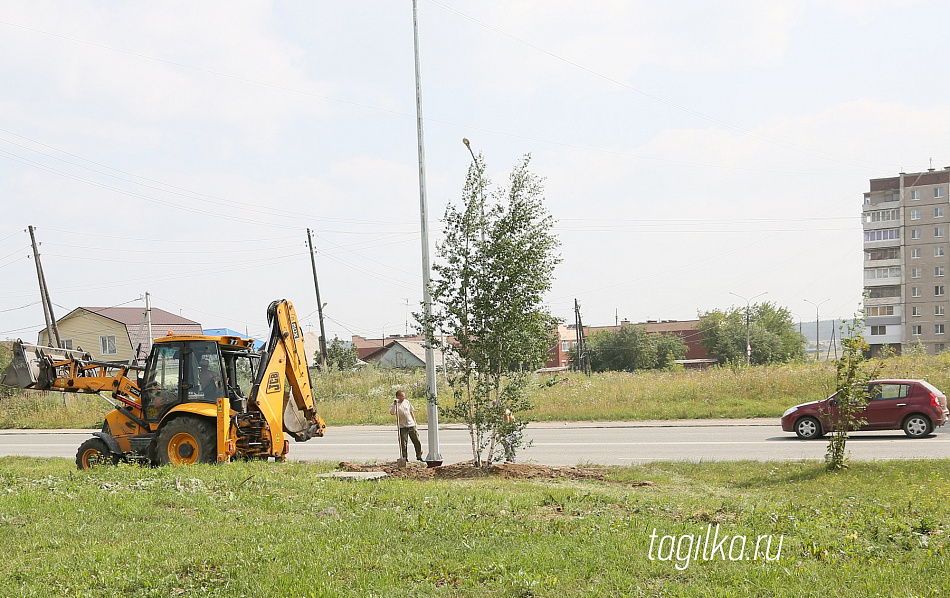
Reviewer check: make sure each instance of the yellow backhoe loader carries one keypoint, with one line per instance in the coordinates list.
(198, 399)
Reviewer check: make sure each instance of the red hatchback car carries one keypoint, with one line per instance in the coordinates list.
(914, 406)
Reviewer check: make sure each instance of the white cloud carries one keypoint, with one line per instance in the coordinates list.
(204, 38)
(615, 39)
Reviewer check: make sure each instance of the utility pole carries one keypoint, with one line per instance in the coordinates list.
(432, 393)
(834, 341)
(581, 345)
(148, 322)
(817, 333)
(52, 331)
(316, 286)
(748, 337)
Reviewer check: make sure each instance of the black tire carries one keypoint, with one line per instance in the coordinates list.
(95, 453)
(808, 428)
(187, 440)
(917, 426)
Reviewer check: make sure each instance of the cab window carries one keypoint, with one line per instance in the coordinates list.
(162, 389)
(204, 373)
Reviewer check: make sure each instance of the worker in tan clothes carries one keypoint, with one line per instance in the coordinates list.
(406, 421)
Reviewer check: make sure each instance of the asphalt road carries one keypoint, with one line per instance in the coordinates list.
(606, 443)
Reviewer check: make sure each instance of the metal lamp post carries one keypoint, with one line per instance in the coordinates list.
(432, 395)
(748, 337)
(817, 338)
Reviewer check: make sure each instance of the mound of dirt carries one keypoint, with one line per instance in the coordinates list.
(467, 469)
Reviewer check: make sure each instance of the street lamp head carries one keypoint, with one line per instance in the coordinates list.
(469, 146)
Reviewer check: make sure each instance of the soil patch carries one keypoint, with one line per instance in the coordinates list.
(467, 469)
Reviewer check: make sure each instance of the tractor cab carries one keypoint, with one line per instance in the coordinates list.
(197, 369)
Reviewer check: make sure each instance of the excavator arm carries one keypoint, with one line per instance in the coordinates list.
(283, 390)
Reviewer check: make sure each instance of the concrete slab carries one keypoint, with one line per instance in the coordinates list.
(355, 475)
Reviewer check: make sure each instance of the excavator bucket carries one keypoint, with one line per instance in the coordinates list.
(297, 425)
(32, 365)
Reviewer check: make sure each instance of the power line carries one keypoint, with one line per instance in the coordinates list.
(175, 190)
(21, 307)
(164, 251)
(387, 266)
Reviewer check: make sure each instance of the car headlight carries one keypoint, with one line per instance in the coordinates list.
(790, 411)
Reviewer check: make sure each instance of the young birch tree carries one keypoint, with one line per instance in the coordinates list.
(853, 373)
(493, 268)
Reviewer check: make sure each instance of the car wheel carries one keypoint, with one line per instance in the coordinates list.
(808, 428)
(917, 426)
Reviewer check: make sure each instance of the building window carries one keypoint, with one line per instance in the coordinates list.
(67, 343)
(884, 253)
(882, 215)
(938, 270)
(915, 233)
(883, 292)
(938, 212)
(884, 234)
(916, 330)
(938, 348)
(938, 251)
(938, 290)
(915, 272)
(938, 231)
(915, 214)
(938, 191)
(915, 292)
(915, 311)
(565, 346)
(878, 273)
(107, 345)
(879, 310)
(938, 310)
(938, 328)
(915, 194)
(915, 253)
(878, 330)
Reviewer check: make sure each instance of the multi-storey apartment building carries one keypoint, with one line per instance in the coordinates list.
(906, 259)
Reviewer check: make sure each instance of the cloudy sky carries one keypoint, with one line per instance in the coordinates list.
(691, 150)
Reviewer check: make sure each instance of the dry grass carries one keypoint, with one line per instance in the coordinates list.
(364, 397)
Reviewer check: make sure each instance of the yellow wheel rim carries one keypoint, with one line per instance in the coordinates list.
(91, 458)
(183, 449)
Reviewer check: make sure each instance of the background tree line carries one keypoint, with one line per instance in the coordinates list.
(631, 348)
(772, 334)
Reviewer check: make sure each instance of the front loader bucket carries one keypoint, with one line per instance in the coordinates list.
(22, 372)
(32, 365)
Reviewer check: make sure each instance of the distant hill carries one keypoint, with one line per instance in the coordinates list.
(825, 329)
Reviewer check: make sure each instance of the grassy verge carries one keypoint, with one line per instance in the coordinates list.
(364, 397)
(259, 529)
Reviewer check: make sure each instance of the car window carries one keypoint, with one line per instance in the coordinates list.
(884, 392)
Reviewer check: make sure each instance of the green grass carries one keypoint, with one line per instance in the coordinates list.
(265, 529)
(364, 397)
